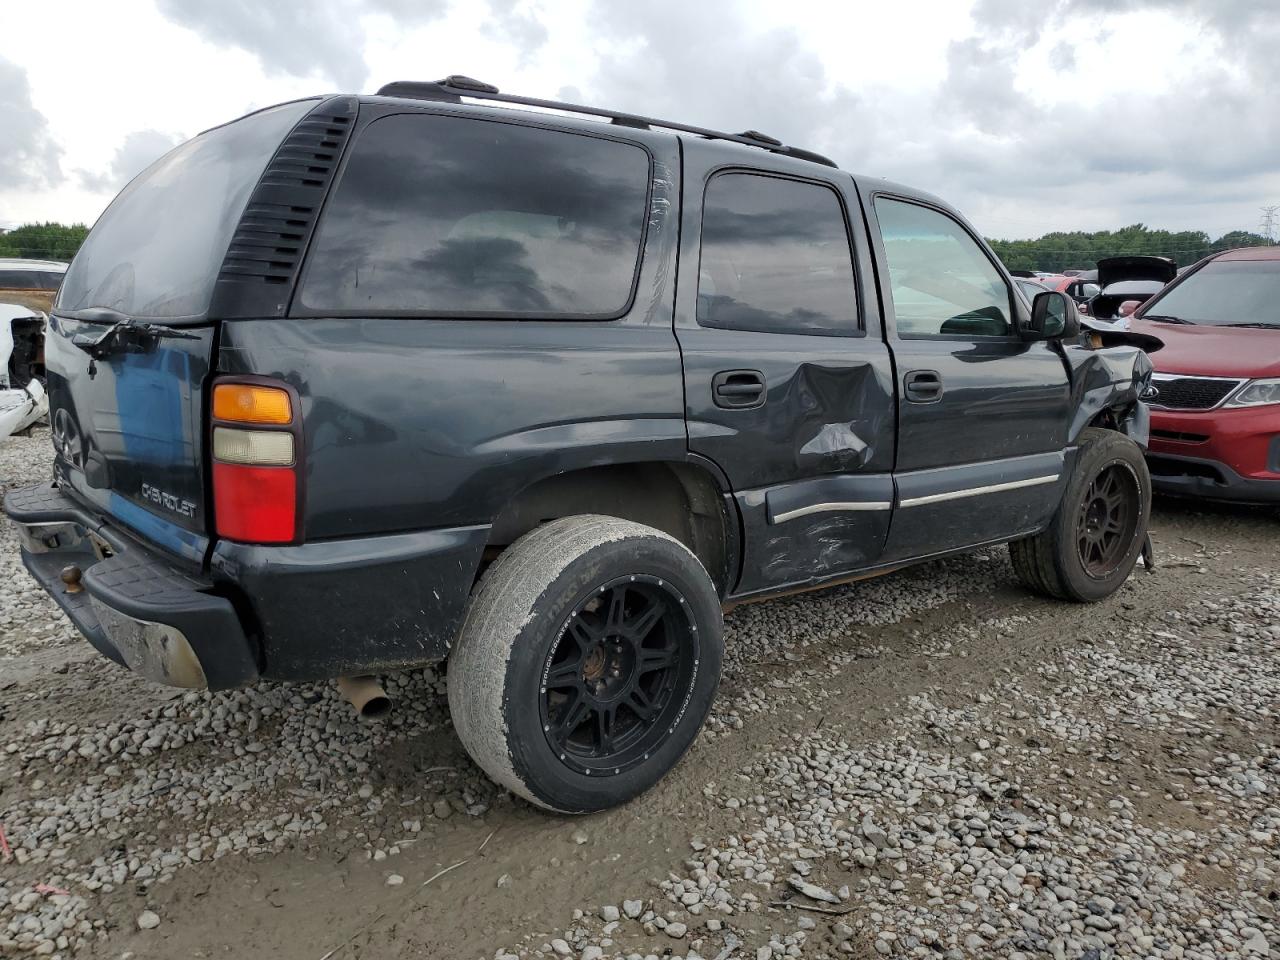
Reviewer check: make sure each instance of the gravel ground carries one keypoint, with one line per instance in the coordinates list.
(931, 764)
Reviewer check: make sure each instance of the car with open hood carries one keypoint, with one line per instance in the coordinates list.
(1215, 395)
(1127, 282)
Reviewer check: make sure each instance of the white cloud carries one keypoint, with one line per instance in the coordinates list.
(29, 155)
(1068, 114)
(138, 151)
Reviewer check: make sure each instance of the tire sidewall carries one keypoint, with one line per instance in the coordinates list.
(1095, 457)
(533, 759)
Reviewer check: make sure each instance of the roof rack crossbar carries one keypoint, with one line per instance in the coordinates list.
(453, 88)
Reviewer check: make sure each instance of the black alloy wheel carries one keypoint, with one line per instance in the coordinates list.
(1090, 546)
(616, 680)
(1108, 520)
(587, 663)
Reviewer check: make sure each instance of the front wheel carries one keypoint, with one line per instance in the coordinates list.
(587, 664)
(1097, 534)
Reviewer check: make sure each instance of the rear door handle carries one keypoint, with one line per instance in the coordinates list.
(923, 386)
(738, 389)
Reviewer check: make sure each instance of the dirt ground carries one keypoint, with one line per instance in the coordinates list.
(963, 770)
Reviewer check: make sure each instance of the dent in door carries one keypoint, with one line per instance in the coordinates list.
(836, 424)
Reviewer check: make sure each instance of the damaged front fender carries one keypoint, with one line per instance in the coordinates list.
(1106, 387)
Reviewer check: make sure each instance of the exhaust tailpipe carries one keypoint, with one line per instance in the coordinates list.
(366, 695)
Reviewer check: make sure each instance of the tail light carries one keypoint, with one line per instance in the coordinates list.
(256, 444)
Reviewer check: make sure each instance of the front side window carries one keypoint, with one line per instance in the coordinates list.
(775, 257)
(942, 283)
(456, 217)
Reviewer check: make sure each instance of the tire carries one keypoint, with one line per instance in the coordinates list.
(1074, 558)
(594, 614)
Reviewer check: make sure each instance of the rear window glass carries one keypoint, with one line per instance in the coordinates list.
(30, 279)
(157, 250)
(455, 217)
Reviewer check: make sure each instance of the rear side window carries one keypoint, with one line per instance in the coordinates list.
(775, 257)
(455, 217)
(157, 250)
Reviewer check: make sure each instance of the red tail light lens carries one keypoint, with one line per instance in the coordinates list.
(255, 504)
(255, 462)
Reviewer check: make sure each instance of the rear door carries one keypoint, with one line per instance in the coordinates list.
(982, 415)
(127, 411)
(788, 385)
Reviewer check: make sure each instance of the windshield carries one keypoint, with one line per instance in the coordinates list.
(156, 251)
(1225, 293)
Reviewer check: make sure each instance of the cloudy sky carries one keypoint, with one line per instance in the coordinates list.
(1030, 115)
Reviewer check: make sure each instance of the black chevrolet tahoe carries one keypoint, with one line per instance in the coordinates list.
(355, 384)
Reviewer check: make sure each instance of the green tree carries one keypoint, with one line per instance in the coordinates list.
(1082, 250)
(43, 241)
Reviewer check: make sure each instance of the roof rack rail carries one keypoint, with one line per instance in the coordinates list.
(453, 88)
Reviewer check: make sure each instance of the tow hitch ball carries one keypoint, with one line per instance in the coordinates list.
(70, 576)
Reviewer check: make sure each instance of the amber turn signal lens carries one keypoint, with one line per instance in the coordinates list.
(249, 403)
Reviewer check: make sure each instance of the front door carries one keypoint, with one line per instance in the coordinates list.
(788, 383)
(982, 414)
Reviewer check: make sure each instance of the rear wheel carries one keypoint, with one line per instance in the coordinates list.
(1097, 534)
(587, 663)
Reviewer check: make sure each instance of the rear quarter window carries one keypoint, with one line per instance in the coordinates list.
(458, 217)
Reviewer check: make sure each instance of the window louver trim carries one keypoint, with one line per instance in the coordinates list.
(262, 261)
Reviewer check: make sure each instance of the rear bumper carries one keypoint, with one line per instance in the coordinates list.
(314, 611)
(133, 605)
(1217, 454)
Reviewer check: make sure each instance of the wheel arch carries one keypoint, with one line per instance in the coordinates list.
(687, 499)
(1107, 388)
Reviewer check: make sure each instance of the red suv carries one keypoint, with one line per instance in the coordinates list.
(1215, 396)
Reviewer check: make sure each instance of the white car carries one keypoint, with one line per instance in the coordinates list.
(22, 397)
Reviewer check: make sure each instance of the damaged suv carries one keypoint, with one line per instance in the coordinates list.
(427, 375)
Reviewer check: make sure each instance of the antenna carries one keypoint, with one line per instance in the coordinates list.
(1269, 215)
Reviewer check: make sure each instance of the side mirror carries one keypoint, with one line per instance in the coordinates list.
(1053, 317)
(1127, 308)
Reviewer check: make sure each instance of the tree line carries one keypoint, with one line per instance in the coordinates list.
(43, 241)
(1079, 250)
(1052, 252)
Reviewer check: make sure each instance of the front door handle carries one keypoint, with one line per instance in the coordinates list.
(738, 389)
(923, 386)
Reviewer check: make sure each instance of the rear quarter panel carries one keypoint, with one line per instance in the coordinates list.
(412, 424)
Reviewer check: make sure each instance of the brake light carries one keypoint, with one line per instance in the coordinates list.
(256, 458)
